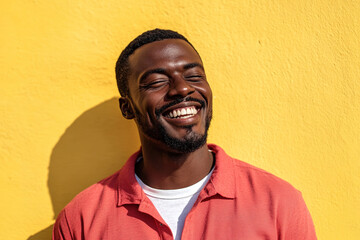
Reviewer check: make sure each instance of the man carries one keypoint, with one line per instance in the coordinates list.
(177, 186)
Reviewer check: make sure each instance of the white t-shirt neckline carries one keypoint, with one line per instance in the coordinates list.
(174, 193)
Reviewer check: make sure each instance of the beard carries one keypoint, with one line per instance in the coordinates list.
(191, 142)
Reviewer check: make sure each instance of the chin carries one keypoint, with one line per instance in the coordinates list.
(187, 145)
(190, 143)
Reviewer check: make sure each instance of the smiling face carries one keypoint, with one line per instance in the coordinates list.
(171, 99)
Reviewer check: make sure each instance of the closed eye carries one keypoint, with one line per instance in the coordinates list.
(194, 78)
(154, 84)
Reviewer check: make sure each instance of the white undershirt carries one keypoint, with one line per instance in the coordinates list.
(174, 205)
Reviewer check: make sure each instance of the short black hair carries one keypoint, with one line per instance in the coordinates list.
(122, 65)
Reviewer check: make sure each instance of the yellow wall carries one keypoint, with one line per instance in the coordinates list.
(285, 77)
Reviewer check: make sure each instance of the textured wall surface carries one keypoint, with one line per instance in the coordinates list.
(285, 77)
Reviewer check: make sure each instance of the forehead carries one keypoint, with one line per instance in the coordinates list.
(162, 54)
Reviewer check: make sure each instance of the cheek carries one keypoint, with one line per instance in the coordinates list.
(149, 106)
(206, 93)
(209, 93)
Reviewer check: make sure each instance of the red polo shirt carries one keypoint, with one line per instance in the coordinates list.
(239, 202)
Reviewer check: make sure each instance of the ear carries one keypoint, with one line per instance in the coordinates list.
(126, 108)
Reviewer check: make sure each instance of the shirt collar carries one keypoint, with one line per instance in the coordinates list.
(222, 180)
(129, 191)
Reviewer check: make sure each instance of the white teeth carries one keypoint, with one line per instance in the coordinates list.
(183, 112)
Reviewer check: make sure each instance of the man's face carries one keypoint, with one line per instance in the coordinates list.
(170, 95)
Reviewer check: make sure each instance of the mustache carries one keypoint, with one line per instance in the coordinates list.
(176, 101)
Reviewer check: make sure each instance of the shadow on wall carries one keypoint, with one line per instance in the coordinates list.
(93, 147)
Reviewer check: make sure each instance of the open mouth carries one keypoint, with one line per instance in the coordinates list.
(185, 112)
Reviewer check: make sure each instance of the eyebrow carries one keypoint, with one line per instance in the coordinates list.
(192, 65)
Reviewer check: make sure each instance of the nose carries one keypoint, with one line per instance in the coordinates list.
(179, 87)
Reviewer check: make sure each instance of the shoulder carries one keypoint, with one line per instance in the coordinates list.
(265, 187)
(281, 200)
(249, 177)
(103, 196)
(260, 179)
(98, 194)
(78, 214)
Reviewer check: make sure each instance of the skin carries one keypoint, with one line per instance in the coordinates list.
(161, 73)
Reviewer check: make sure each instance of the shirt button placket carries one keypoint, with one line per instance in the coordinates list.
(161, 231)
(186, 231)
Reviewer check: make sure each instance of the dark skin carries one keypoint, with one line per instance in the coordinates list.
(160, 73)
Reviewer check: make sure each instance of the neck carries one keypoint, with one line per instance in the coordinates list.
(164, 169)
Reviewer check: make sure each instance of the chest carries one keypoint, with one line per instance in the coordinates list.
(211, 219)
